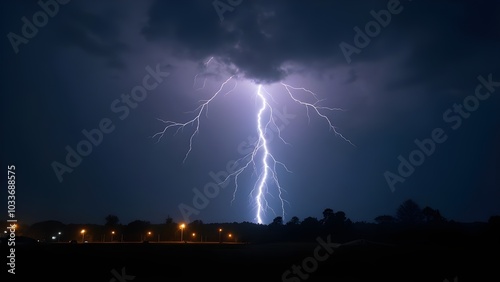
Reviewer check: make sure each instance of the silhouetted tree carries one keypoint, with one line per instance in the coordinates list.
(348, 222)
(196, 226)
(385, 219)
(293, 228)
(335, 223)
(339, 218)
(409, 213)
(310, 228)
(46, 229)
(293, 221)
(170, 230)
(333, 219)
(432, 216)
(137, 229)
(277, 221)
(169, 220)
(327, 216)
(276, 229)
(310, 222)
(111, 221)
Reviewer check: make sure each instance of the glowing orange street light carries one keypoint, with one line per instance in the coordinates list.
(182, 226)
(83, 235)
(112, 234)
(220, 235)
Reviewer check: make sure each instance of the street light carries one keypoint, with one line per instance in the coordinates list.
(182, 230)
(83, 235)
(147, 236)
(220, 235)
(112, 233)
(58, 236)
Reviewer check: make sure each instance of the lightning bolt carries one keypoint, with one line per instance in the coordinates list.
(264, 164)
(314, 106)
(195, 121)
(267, 160)
(261, 157)
(198, 74)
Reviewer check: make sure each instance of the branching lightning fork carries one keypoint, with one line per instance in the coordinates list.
(268, 163)
(261, 159)
(195, 121)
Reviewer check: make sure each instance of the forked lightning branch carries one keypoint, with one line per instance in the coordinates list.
(261, 159)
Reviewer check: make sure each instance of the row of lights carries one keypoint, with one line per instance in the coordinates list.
(181, 226)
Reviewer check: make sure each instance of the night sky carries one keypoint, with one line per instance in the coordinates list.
(401, 71)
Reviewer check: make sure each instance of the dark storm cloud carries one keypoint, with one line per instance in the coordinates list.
(258, 37)
(449, 40)
(96, 32)
(262, 38)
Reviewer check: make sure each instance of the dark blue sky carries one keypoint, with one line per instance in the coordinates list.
(401, 71)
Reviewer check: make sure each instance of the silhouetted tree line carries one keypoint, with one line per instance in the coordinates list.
(409, 224)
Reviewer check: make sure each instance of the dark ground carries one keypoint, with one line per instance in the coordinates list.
(252, 262)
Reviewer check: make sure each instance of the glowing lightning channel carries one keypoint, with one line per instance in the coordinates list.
(315, 108)
(268, 162)
(204, 79)
(262, 143)
(195, 121)
(260, 158)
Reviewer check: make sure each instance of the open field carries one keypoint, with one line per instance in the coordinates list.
(253, 262)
